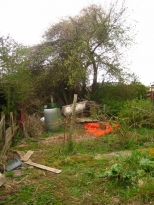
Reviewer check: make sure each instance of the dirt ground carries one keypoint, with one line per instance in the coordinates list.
(78, 134)
(60, 138)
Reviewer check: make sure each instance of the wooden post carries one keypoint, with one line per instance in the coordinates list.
(2, 126)
(12, 122)
(8, 99)
(70, 141)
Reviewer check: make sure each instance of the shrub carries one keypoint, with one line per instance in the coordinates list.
(139, 113)
(112, 107)
(130, 169)
(114, 95)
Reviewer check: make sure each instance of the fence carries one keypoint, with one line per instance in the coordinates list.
(150, 95)
(8, 127)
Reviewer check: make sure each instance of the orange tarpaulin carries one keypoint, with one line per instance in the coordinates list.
(99, 129)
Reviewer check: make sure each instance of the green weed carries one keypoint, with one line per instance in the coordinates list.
(17, 138)
(9, 174)
(133, 173)
(88, 176)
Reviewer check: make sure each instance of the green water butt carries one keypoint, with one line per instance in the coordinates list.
(51, 119)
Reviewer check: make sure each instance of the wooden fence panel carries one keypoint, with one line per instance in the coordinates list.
(7, 135)
(2, 126)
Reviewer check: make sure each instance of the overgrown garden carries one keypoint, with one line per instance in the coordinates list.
(113, 169)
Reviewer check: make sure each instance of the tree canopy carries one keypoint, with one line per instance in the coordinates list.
(16, 83)
(72, 50)
(89, 42)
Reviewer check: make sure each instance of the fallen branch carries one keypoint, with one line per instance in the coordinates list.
(142, 110)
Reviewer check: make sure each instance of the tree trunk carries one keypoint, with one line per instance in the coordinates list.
(95, 69)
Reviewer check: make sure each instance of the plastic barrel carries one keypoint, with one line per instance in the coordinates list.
(51, 119)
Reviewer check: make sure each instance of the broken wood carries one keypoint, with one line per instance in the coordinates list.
(18, 154)
(29, 162)
(86, 119)
(2, 179)
(27, 156)
(6, 135)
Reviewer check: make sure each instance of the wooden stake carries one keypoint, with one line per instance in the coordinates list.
(72, 119)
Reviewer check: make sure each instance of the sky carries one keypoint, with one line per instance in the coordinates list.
(27, 20)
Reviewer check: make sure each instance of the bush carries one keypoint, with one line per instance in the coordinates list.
(129, 169)
(114, 95)
(112, 107)
(139, 113)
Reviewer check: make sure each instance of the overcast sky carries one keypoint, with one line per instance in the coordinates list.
(26, 21)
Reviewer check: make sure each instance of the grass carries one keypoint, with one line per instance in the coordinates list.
(83, 180)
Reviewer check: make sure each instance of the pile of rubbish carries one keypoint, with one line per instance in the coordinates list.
(100, 128)
(20, 160)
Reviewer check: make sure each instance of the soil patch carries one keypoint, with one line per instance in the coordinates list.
(60, 138)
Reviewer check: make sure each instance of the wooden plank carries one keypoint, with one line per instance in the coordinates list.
(57, 171)
(12, 122)
(16, 127)
(84, 119)
(26, 157)
(2, 179)
(2, 122)
(2, 126)
(6, 147)
(18, 154)
(8, 134)
(8, 131)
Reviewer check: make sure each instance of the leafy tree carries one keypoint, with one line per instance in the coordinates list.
(16, 82)
(53, 74)
(89, 42)
(7, 54)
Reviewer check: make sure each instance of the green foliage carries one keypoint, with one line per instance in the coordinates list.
(70, 146)
(112, 107)
(114, 96)
(118, 91)
(138, 113)
(17, 138)
(17, 89)
(130, 138)
(76, 47)
(146, 191)
(127, 179)
(146, 164)
(16, 83)
(9, 174)
(131, 168)
(72, 50)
